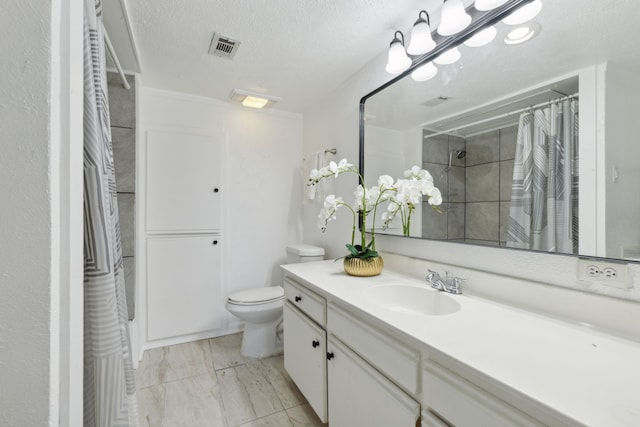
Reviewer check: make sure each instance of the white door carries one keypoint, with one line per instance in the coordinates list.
(184, 287)
(183, 182)
(305, 353)
(361, 396)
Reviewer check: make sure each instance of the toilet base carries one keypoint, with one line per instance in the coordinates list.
(261, 340)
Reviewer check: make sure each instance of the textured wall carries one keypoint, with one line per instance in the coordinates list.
(25, 216)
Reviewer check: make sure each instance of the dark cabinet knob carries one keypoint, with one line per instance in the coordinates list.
(315, 343)
(298, 298)
(329, 355)
(215, 242)
(216, 190)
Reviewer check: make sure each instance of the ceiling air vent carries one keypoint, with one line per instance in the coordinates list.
(223, 46)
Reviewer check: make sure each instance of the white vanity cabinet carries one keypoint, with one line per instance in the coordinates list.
(341, 385)
(305, 345)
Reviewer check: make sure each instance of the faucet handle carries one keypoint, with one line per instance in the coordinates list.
(456, 285)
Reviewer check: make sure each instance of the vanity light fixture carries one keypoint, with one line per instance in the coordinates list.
(448, 57)
(524, 13)
(424, 72)
(484, 5)
(454, 18)
(421, 40)
(398, 61)
(482, 38)
(252, 99)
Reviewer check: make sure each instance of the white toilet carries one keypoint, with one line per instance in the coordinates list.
(261, 308)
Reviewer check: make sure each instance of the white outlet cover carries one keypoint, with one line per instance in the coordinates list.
(620, 281)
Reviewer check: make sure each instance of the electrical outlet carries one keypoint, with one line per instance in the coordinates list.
(604, 272)
(593, 271)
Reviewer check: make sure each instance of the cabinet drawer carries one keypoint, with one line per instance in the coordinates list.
(462, 403)
(397, 361)
(310, 303)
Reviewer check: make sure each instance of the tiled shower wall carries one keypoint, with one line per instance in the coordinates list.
(122, 108)
(476, 190)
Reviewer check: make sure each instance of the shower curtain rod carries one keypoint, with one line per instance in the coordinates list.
(112, 52)
(510, 113)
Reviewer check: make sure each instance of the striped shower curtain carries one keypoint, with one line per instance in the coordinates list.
(544, 195)
(109, 385)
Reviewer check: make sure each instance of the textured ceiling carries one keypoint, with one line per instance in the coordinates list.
(296, 50)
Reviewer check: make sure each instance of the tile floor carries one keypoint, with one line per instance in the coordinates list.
(208, 383)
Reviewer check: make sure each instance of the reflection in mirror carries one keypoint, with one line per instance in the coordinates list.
(532, 144)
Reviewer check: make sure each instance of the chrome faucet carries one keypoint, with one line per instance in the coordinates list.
(452, 286)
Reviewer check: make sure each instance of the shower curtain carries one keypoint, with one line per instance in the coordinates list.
(544, 194)
(109, 385)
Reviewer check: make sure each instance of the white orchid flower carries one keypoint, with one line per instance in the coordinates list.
(436, 198)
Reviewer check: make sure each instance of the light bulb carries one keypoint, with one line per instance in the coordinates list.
(398, 61)
(448, 57)
(519, 35)
(454, 18)
(421, 40)
(424, 72)
(524, 13)
(482, 38)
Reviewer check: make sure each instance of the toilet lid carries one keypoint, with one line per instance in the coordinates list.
(257, 295)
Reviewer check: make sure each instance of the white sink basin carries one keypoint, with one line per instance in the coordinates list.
(412, 300)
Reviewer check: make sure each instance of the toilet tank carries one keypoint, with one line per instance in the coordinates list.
(304, 253)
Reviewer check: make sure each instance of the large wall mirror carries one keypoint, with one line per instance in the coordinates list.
(559, 110)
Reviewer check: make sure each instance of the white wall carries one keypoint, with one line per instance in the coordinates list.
(335, 121)
(263, 183)
(40, 253)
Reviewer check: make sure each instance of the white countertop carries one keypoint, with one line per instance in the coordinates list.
(584, 375)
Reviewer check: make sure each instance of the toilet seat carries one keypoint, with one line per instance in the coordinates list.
(257, 296)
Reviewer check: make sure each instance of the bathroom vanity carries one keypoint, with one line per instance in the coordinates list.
(390, 351)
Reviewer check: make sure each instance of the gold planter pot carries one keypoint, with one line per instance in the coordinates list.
(363, 267)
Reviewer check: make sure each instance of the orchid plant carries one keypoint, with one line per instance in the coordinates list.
(401, 197)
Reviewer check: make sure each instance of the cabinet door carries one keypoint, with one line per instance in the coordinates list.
(183, 285)
(305, 352)
(361, 396)
(183, 182)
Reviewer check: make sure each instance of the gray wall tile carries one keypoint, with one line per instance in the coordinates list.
(482, 221)
(436, 149)
(506, 178)
(457, 185)
(126, 211)
(434, 224)
(122, 105)
(483, 182)
(124, 154)
(508, 138)
(455, 225)
(130, 285)
(504, 220)
(483, 148)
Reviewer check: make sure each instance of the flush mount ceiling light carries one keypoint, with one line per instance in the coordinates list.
(424, 72)
(448, 57)
(421, 40)
(484, 5)
(454, 18)
(524, 13)
(482, 38)
(398, 61)
(252, 99)
(521, 34)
